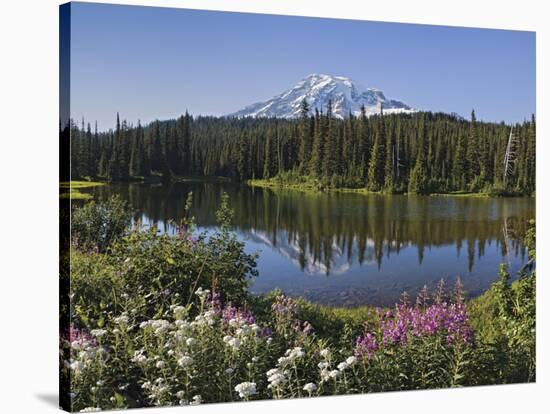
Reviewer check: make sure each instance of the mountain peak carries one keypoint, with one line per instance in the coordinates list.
(317, 89)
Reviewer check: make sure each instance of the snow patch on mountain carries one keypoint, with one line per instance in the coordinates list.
(317, 89)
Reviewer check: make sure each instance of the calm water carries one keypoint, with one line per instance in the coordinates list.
(351, 249)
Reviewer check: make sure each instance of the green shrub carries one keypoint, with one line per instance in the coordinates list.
(97, 225)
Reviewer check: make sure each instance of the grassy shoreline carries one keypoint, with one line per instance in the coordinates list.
(70, 189)
(310, 187)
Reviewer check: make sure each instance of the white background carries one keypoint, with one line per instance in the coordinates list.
(28, 227)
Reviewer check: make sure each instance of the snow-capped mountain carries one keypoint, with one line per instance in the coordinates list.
(347, 97)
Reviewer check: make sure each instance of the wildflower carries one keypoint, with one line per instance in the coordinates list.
(179, 312)
(160, 326)
(283, 361)
(296, 353)
(284, 306)
(310, 387)
(197, 399)
(275, 377)
(272, 372)
(160, 364)
(342, 366)
(334, 373)
(276, 380)
(366, 345)
(323, 365)
(307, 328)
(185, 361)
(227, 338)
(234, 343)
(208, 318)
(191, 341)
(122, 319)
(325, 353)
(139, 357)
(202, 293)
(182, 324)
(351, 360)
(77, 366)
(98, 333)
(246, 389)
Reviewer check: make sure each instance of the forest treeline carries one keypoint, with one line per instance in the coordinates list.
(418, 153)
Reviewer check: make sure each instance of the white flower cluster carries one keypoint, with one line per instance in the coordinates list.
(138, 357)
(156, 390)
(122, 320)
(350, 361)
(196, 400)
(234, 343)
(327, 374)
(310, 387)
(207, 318)
(291, 355)
(180, 312)
(84, 354)
(325, 353)
(246, 389)
(276, 378)
(202, 293)
(159, 326)
(185, 361)
(98, 333)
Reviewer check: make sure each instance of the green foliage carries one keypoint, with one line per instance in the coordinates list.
(418, 181)
(146, 332)
(421, 152)
(517, 311)
(146, 271)
(98, 225)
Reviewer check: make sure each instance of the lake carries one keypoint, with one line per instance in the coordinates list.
(349, 249)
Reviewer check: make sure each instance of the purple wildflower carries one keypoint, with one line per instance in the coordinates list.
(366, 345)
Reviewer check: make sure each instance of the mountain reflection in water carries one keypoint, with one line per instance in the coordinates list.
(351, 249)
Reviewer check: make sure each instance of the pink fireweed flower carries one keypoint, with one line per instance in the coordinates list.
(80, 337)
(232, 313)
(366, 345)
(407, 322)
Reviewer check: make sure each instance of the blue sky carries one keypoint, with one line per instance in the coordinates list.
(150, 63)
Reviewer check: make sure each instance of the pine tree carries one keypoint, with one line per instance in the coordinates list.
(270, 163)
(472, 152)
(389, 164)
(375, 177)
(418, 180)
(459, 163)
(243, 169)
(304, 150)
(317, 150)
(156, 147)
(329, 141)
